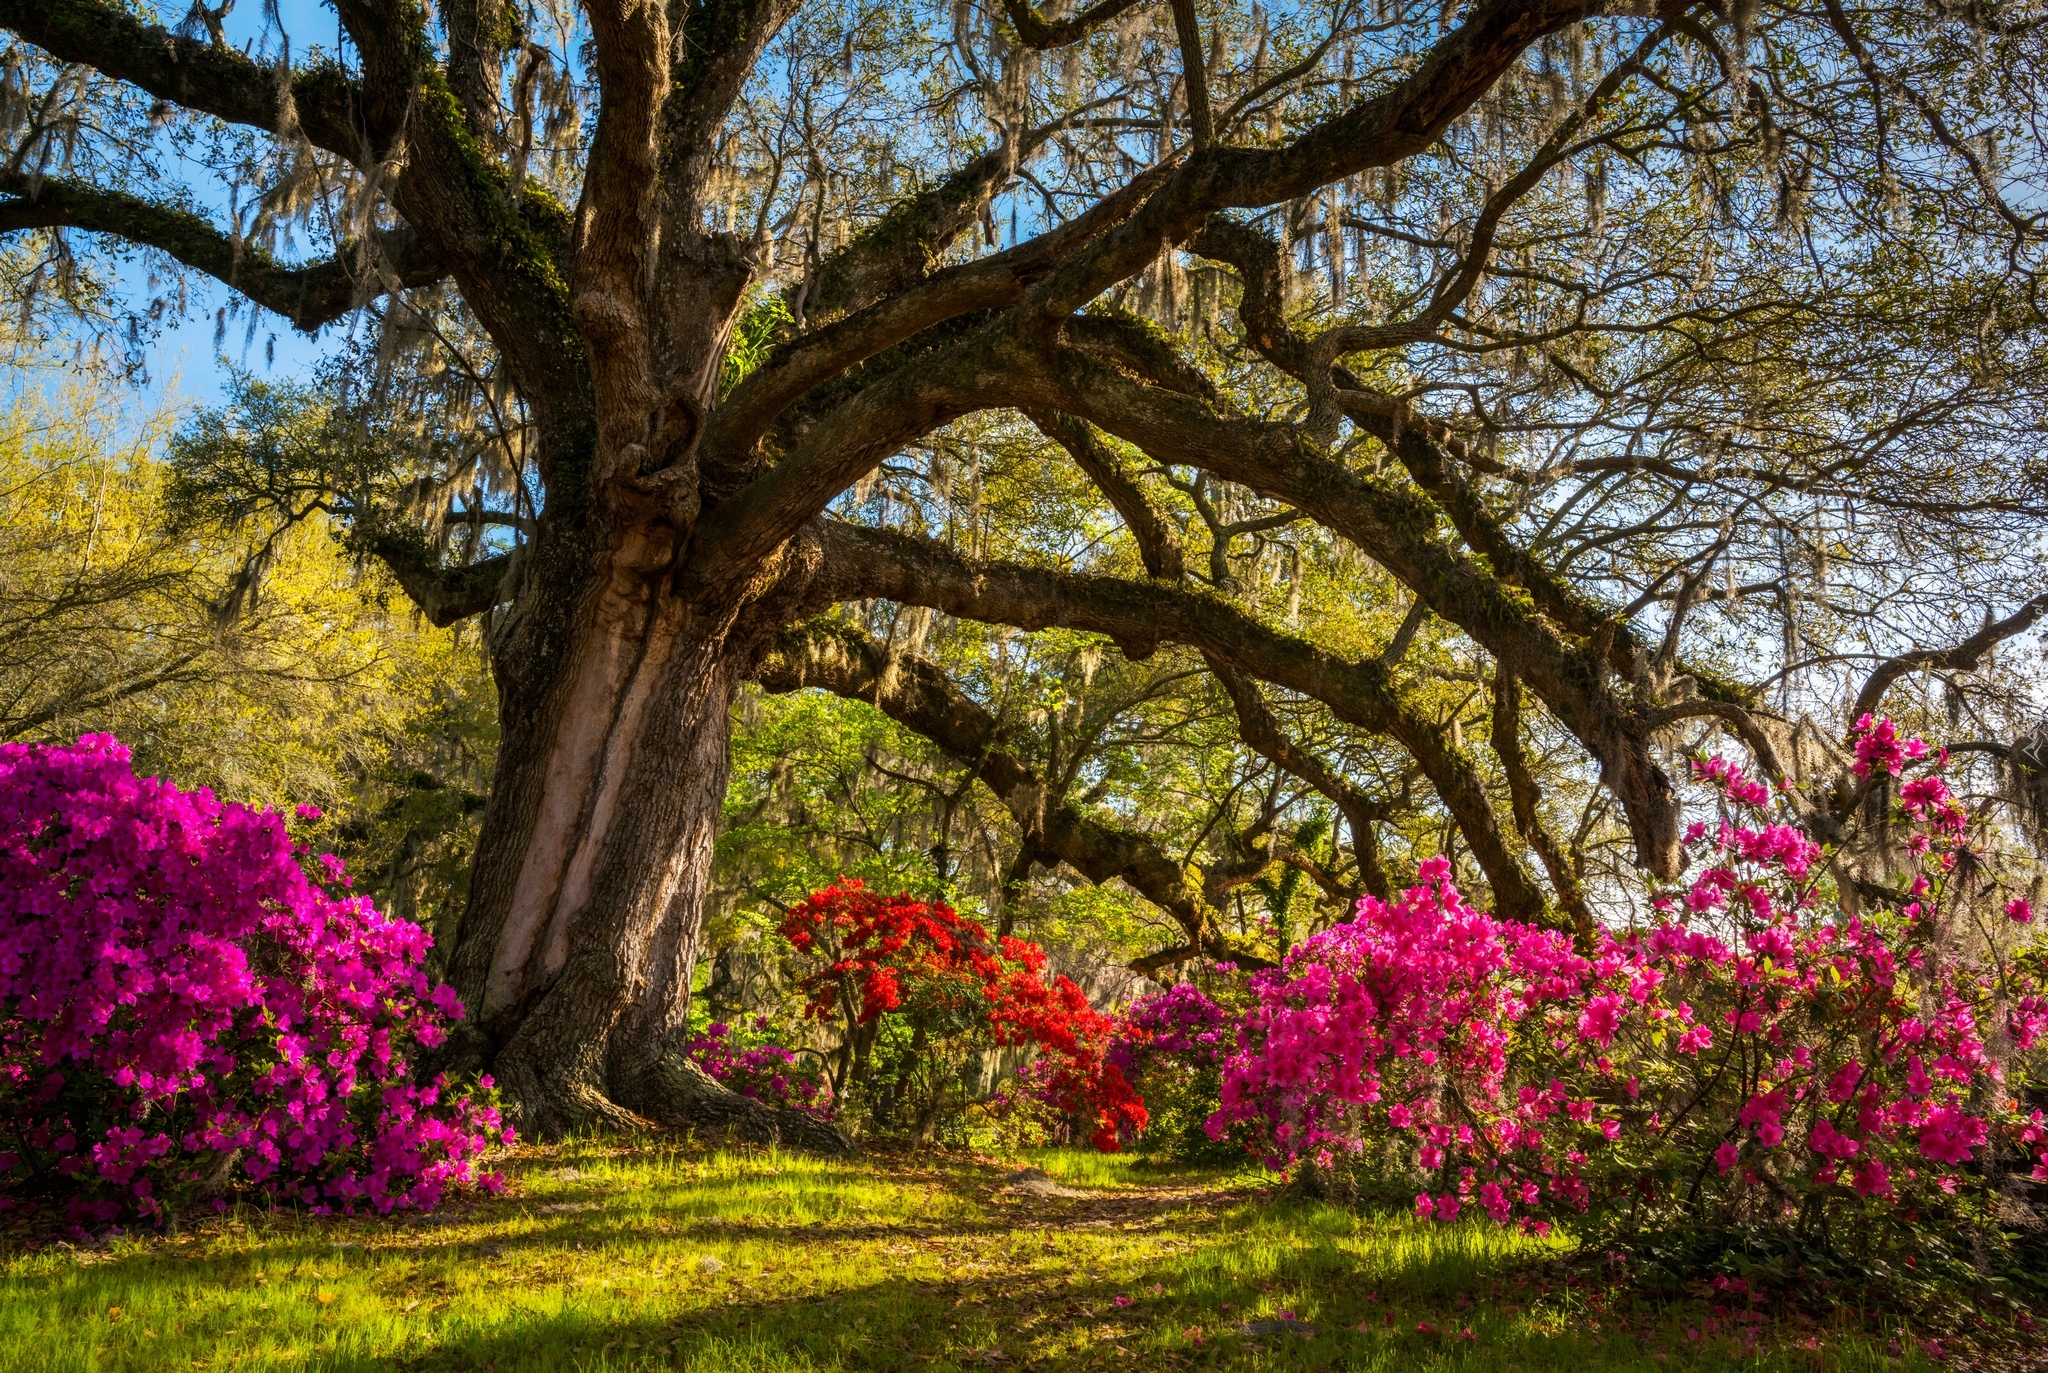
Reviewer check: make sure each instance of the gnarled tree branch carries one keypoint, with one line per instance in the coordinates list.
(1036, 31)
(443, 594)
(309, 296)
(184, 71)
(918, 695)
(1260, 728)
(863, 563)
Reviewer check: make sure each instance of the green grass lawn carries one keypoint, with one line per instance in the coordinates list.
(606, 1256)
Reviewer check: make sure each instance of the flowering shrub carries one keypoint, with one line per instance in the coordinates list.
(1400, 1019)
(947, 979)
(183, 1008)
(1756, 1053)
(767, 1072)
(1171, 1047)
(1181, 1023)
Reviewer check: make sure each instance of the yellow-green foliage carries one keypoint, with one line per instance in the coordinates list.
(294, 677)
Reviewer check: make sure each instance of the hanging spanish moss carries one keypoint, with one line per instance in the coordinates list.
(2023, 783)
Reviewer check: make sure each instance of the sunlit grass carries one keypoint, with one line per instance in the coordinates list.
(1088, 1168)
(608, 1257)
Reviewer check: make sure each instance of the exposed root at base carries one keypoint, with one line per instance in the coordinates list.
(680, 1095)
(548, 1105)
(671, 1093)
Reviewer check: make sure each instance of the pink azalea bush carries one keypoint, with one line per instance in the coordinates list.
(1757, 1052)
(1171, 1046)
(1182, 1023)
(185, 1011)
(766, 1071)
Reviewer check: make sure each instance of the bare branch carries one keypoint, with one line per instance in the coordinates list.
(1961, 656)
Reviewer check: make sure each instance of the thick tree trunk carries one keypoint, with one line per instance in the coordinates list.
(580, 936)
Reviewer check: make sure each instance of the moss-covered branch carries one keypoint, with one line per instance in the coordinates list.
(918, 695)
(443, 594)
(309, 296)
(866, 563)
(187, 72)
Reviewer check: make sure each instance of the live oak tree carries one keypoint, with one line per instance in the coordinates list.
(1675, 363)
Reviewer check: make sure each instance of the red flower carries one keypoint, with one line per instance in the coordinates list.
(886, 951)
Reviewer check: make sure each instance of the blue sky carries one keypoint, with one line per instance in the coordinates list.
(184, 365)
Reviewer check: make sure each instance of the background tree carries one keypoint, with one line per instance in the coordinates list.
(1657, 370)
(271, 670)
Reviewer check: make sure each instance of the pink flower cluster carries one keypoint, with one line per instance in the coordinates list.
(767, 1072)
(1719, 772)
(1880, 750)
(1753, 1046)
(185, 1011)
(1401, 1020)
(1179, 1023)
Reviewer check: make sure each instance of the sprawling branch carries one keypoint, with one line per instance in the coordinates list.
(901, 248)
(863, 563)
(1036, 31)
(917, 694)
(443, 594)
(309, 296)
(1260, 728)
(1396, 525)
(904, 404)
(1407, 117)
(821, 356)
(1429, 449)
(183, 71)
(1398, 123)
(1158, 541)
(1958, 657)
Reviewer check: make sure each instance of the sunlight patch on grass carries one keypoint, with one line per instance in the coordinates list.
(605, 1257)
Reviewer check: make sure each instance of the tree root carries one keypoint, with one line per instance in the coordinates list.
(548, 1101)
(676, 1093)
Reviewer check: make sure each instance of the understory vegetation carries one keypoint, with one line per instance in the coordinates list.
(898, 683)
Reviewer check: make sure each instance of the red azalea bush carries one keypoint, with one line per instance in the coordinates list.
(184, 1010)
(1757, 1053)
(896, 954)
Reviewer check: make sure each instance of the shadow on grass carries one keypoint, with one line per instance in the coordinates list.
(1046, 1318)
(509, 1285)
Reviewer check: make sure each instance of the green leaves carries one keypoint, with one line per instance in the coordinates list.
(753, 338)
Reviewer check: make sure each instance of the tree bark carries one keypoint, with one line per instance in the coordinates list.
(578, 944)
